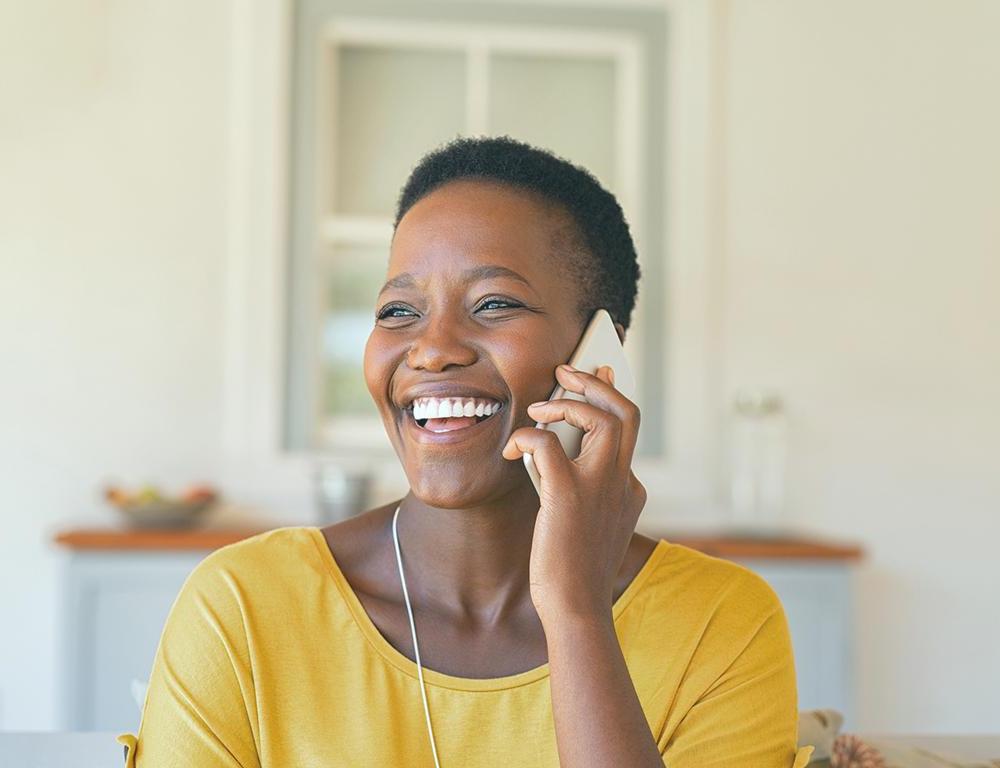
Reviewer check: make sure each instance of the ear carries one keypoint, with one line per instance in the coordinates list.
(621, 332)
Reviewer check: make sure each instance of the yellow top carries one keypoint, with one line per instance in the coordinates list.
(269, 659)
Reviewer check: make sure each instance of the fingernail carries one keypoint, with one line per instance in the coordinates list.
(568, 368)
(540, 402)
(611, 374)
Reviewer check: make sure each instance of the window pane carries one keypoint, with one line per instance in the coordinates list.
(393, 105)
(565, 104)
(352, 277)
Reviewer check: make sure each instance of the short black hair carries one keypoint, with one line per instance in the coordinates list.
(602, 258)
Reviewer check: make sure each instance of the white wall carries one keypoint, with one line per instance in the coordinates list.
(112, 235)
(860, 229)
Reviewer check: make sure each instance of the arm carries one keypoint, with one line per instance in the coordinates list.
(598, 718)
(589, 508)
(745, 716)
(199, 708)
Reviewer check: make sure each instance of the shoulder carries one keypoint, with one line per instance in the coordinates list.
(711, 580)
(259, 565)
(724, 603)
(716, 619)
(268, 548)
(239, 589)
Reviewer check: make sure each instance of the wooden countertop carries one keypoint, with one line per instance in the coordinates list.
(729, 546)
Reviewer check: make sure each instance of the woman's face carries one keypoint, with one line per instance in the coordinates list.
(457, 320)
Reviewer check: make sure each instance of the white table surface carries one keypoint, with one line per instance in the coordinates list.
(41, 749)
(963, 747)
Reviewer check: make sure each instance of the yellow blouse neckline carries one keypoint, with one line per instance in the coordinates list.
(440, 679)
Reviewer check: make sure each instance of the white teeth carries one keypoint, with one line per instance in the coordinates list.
(433, 408)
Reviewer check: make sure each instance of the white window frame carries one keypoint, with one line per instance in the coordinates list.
(344, 434)
(684, 487)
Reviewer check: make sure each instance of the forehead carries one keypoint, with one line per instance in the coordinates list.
(468, 224)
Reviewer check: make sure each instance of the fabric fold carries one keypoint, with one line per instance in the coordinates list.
(130, 743)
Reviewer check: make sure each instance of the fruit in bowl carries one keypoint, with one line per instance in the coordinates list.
(150, 508)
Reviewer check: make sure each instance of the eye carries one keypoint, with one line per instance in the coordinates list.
(505, 302)
(386, 310)
(390, 311)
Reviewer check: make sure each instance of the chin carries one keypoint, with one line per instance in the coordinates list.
(445, 490)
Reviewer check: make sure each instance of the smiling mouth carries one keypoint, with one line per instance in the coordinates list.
(451, 423)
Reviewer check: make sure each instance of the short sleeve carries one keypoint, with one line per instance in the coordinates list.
(748, 716)
(199, 709)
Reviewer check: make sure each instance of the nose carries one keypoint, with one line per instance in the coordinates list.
(441, 343)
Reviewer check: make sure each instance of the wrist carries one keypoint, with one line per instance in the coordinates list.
(576, 618)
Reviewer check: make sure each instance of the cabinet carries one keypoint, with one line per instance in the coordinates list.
(114, 606)
(118, 587)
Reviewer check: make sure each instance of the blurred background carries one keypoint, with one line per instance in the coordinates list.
(195, 208)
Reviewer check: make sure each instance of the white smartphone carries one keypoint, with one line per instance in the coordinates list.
(598, 346)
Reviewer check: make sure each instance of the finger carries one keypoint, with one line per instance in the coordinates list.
(604, 395)
(602, 430)
(595, 388)
(547, 452)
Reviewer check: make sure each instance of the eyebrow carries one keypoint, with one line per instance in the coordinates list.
(474, 274)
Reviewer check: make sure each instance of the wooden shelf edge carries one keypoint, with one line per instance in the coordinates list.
(779, 549)
(139, 539)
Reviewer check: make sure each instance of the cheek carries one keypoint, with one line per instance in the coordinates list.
(378, 365)
(529, 368)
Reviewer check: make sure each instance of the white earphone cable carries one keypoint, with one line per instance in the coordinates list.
(413, 633)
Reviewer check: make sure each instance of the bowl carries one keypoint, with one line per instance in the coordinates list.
(165, 514)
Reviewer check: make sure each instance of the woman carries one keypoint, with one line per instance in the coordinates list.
(549, 632)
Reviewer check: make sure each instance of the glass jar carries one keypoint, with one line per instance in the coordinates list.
(757, 456)
(342, 491)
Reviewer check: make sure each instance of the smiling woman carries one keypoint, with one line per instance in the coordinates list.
(550, 633)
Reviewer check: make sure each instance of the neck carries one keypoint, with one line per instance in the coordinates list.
(470, 563)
